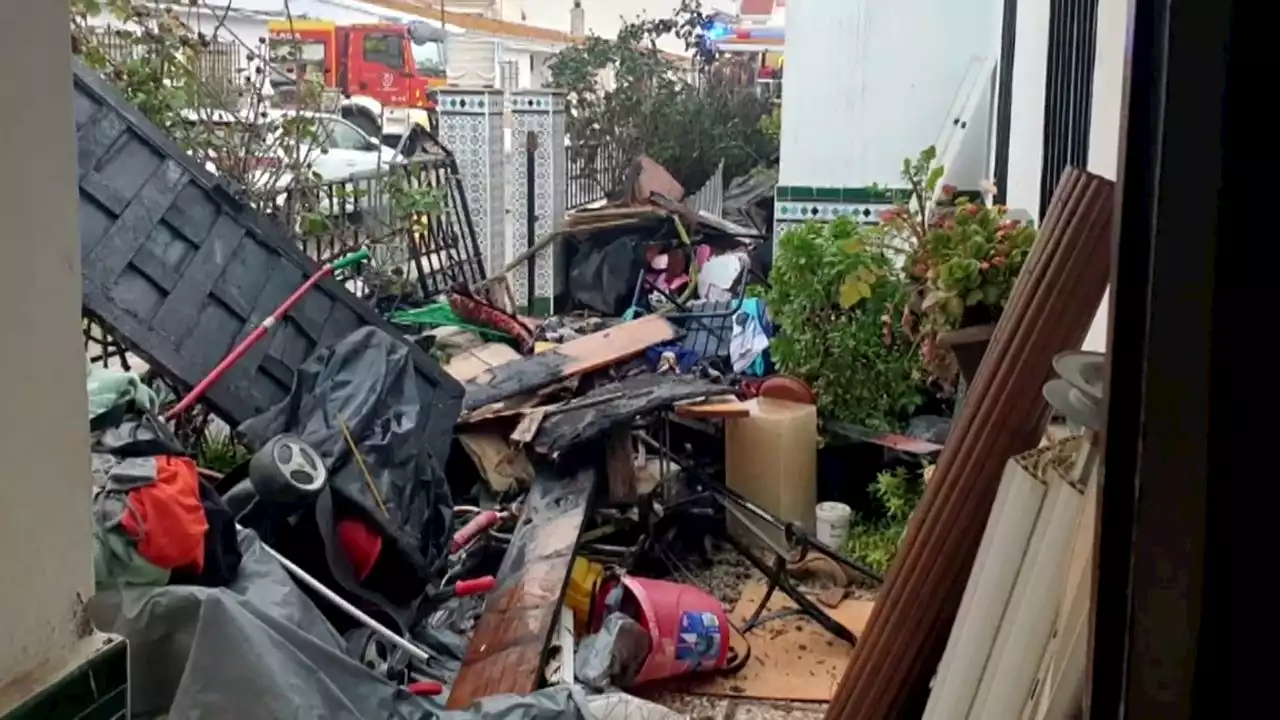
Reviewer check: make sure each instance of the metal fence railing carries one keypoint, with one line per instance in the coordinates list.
(594, 170)
(219, 63)
(709, 199)
(413, 218)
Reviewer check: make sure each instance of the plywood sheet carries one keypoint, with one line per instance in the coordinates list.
(508, 648)
(792, 658)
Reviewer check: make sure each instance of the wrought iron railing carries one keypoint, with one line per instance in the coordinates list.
(413, 218)
(218, 63)
(594, 171)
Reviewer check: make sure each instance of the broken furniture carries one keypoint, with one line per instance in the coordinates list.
(574, 358)
(180, 270)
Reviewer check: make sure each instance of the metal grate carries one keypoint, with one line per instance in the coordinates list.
(594, 171)
(434, 252)
(1068, 96)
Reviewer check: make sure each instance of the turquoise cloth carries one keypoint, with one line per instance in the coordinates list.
(109, 388)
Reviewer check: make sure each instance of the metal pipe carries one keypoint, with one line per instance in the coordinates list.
(301, 575)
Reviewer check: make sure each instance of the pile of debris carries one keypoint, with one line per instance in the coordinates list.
(456, 508)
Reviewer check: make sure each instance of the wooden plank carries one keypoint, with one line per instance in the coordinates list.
(721, 409)
(620, 464)
(508, 649)
(472, 363)
(577, 357)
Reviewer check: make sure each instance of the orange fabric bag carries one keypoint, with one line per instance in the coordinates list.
(166, 518)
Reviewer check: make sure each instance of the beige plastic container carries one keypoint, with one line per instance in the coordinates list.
(771, 458)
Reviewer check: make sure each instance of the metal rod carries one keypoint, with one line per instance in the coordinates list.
(377, 627)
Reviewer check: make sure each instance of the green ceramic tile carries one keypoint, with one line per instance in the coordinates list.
(827, 194)
(97, 690)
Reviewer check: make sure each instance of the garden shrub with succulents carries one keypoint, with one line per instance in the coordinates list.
(874, 541)
(962, 258)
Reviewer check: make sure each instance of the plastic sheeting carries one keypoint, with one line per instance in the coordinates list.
(368, 380)
(259, 648)
(602, 275)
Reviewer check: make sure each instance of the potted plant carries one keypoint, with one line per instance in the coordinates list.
(961, 260)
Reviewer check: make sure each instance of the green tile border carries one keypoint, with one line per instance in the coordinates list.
(851, 195)
(97, 690)
(541, 308)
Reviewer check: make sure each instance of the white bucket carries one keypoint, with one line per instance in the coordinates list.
(833, 523)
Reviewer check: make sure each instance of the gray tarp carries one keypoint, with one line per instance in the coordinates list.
(260, 649)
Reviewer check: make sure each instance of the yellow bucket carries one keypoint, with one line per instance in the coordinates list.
(582, 585)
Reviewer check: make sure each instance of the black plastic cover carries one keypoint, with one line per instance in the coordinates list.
(181, 270)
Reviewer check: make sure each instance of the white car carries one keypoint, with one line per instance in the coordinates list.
(341, 149)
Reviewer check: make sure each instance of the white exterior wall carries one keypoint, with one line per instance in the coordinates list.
(1026, 139)
(1104, 130)
(45, 569)
(870, 83)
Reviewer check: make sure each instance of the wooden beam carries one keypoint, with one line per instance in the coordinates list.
(577, 357)
(508, 649)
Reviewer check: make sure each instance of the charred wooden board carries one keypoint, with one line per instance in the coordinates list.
(509, 646)
(622, 402)
(588, 353)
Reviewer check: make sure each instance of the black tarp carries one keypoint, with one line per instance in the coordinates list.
(259, 649)
(367, 381)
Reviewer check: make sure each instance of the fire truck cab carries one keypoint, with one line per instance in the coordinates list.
(384, 72)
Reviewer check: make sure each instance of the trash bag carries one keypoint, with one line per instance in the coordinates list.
(368, 382)
(602, 277)
(613, 656)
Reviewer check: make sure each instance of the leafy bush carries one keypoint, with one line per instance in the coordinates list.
(875, 541)
(688, 118)
(838, 298)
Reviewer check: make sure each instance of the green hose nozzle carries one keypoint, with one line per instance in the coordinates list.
(347, 261)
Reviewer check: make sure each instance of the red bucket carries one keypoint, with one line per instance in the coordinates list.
(687, 626)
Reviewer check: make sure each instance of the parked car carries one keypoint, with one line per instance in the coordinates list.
(341, 149)
(341, 154)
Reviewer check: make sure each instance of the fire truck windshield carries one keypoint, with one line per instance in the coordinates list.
(429, 58)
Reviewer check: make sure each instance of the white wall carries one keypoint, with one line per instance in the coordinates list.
(45, 569)
(1104, 130)
(1026, 117)
(604, 17)
(870, 83)
(1026, 139)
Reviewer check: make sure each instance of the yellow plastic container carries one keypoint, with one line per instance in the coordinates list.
(582, 585)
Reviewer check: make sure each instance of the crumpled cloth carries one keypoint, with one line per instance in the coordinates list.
(108, 388)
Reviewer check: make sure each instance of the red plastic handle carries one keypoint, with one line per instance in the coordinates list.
(475, 586)
(474, 527)
(425, 687)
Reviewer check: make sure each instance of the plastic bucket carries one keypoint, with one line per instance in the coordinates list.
(582, 584)
(832, 521)
(687, 626)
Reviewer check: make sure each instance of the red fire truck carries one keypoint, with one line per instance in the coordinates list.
(384, 72)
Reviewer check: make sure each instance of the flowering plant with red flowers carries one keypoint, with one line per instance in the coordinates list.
(962, 258)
